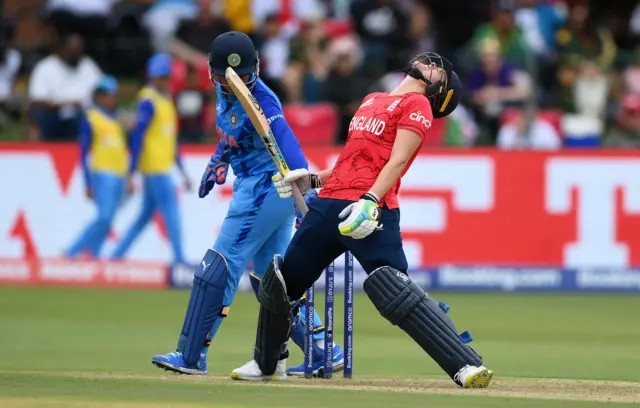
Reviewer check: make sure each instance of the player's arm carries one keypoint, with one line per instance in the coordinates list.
(144, 117)
(286, 139)
(363, 217)
(85, 139)
(405, 146)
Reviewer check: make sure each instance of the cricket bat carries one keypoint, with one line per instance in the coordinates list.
(259, 120)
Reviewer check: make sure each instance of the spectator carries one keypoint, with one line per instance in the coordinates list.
(238, 14)
(591, 90)
(194, 36)
(539, 21)
(581, 39)
(60, 86)
(494, 85)
(344, 87)
(528, 131)
(163, 18)
(634, 21)
(626, 132)
(631, 75)
(192, 104)
(307, 62)
(10, 62)
(383, 29)
(288, 12)
(502, 28)
(88, 18)
(422, 30)
(274, 54)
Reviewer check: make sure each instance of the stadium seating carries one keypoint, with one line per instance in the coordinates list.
(314, 125)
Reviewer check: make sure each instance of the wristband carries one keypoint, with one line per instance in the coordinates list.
(371, 196)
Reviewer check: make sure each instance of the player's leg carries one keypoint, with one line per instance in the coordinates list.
(167, 199)
(87, 237)
(146, 212)
(277, 244)
(409, 307)
(252, 217)
(314, 245)
(112, 193)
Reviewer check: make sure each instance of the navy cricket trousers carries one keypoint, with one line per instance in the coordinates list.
(317, 242)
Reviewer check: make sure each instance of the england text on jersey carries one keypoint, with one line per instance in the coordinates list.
(372, 133)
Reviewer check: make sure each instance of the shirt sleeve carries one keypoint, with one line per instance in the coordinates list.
(287, 141)
(221, 155)
(145, 114)
(86, 135)
(38, 83)
(416, 115)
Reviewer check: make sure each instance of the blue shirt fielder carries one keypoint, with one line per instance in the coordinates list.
(258, 224)
(102, 139)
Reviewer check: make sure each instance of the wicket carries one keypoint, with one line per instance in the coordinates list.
(328, 321)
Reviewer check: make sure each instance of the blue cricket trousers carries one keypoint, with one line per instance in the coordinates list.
(108, 190)
(159, 195)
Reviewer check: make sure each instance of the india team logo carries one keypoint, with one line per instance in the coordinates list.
(233, 119)
(234, 60)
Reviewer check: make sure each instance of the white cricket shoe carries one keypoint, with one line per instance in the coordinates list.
(473, 377)
(251, 372)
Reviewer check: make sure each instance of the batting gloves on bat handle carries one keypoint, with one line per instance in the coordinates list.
(304, 180)
(362, 217)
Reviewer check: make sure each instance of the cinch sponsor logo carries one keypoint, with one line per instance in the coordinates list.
(375, 126)
(418, 117)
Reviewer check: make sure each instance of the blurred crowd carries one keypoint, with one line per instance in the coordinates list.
(538, 74)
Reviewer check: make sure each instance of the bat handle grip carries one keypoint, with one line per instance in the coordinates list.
(299, 199)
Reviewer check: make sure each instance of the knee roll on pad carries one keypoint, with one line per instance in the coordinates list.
(205, 305)
(274, 319)
(406, 305)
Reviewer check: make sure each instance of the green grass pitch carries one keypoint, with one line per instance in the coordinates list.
(92, 348)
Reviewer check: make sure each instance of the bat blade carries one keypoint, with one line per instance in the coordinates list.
(259, 119)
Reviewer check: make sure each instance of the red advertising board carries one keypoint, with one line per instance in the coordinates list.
(565, 209)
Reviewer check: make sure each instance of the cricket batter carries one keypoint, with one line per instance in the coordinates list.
(103, 138)
(258, 223)
(358, 210)
(154, 152)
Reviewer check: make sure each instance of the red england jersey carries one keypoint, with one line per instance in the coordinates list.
(372, 132)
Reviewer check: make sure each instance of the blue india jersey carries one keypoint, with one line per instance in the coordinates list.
(247, 153)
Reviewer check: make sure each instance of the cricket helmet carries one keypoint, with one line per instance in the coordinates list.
(236, 50)
(444, 94)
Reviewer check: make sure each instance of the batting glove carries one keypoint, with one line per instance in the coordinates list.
(362, 217)
(215, 173)
(308, 198)
(303, 179)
